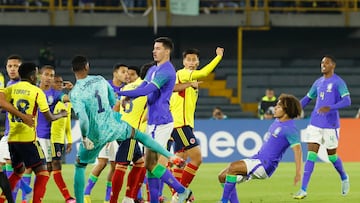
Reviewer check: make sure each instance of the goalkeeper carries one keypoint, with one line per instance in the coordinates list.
(92, 98)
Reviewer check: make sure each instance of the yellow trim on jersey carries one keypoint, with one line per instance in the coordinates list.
(26, 98)
(135, 112)
(62, 126)
(183, 103)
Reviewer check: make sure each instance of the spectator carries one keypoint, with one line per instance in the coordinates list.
(269, 100)
(269, 114)
(218, 114)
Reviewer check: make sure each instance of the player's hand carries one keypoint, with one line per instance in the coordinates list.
(178, 161)
(28, 120)
(124, 102)
(68, 147)
(220, 51)
(88, 144)
(63, 113)
(195, 84)
(297, 178)
(323, 109)
(68, 85)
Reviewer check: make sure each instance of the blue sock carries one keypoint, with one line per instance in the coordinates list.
(154, 184)
(79, 183)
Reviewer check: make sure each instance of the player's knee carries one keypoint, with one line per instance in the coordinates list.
(221, 177)
(333, 158)
(311, 156)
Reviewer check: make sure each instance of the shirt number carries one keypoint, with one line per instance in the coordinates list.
(101, 108)
(22, 105)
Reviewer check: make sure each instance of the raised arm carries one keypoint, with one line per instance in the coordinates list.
(206, 70)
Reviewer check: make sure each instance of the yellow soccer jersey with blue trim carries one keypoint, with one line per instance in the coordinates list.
(62, 126)
(135, 112)
(26, 98)
(183, 103)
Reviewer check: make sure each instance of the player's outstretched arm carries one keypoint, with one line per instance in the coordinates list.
(52, 117)
(298, 161)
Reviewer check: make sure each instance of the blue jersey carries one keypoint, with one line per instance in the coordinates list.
(327, 91)
(278, 138)
(92, 99)
(43, 127)
(164, 78)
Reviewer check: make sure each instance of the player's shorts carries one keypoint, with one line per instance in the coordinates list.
(109, 151)
(255, 170)
(47, 148)
(57, 151)
(129, 150)
(28, 153)
(325, 136)
(4, 149)
(160, 133)
(184, 138)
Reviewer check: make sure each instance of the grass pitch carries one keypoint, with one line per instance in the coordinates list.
(324, 185)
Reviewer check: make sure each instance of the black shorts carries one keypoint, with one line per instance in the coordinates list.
(184, 138)
(29, 154)
(129, 150)
(57, 151)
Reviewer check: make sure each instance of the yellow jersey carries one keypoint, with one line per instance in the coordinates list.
(26, 98)
(183, 103)
(62, 126)
(135, 112)
(2, 81)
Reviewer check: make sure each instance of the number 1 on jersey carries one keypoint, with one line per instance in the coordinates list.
(101, 108)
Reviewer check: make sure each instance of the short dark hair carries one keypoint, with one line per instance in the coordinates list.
(117, 66)
(14, 56)
(145, 67)
(79, 63)
(27, 69)
(47, 67)
(135, 68)
(191, 51)
(332, 58)
(166, 41)
(290, 104)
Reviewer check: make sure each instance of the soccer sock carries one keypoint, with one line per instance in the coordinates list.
(233, 195)
(108, 191)
(228, 188)
(79, 182)
(188, 174)
(178, 173)
(151, 143)
(161, 172)
(91, 183)
(25, 185)
(41, 180)
(161, 188)
(5, 187)
(61, 184)
(308, 169)
(135, 180)
(117, 182)
(154, 184)
(337, 163)
(9, 169)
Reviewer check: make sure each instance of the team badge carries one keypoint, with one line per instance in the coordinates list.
(192, 141)
(329, 87)
(58, 154)
(50, 100)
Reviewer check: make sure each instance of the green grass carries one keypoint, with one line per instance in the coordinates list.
(324, 185)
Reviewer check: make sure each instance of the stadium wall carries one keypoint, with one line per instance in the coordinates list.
(230, 140)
